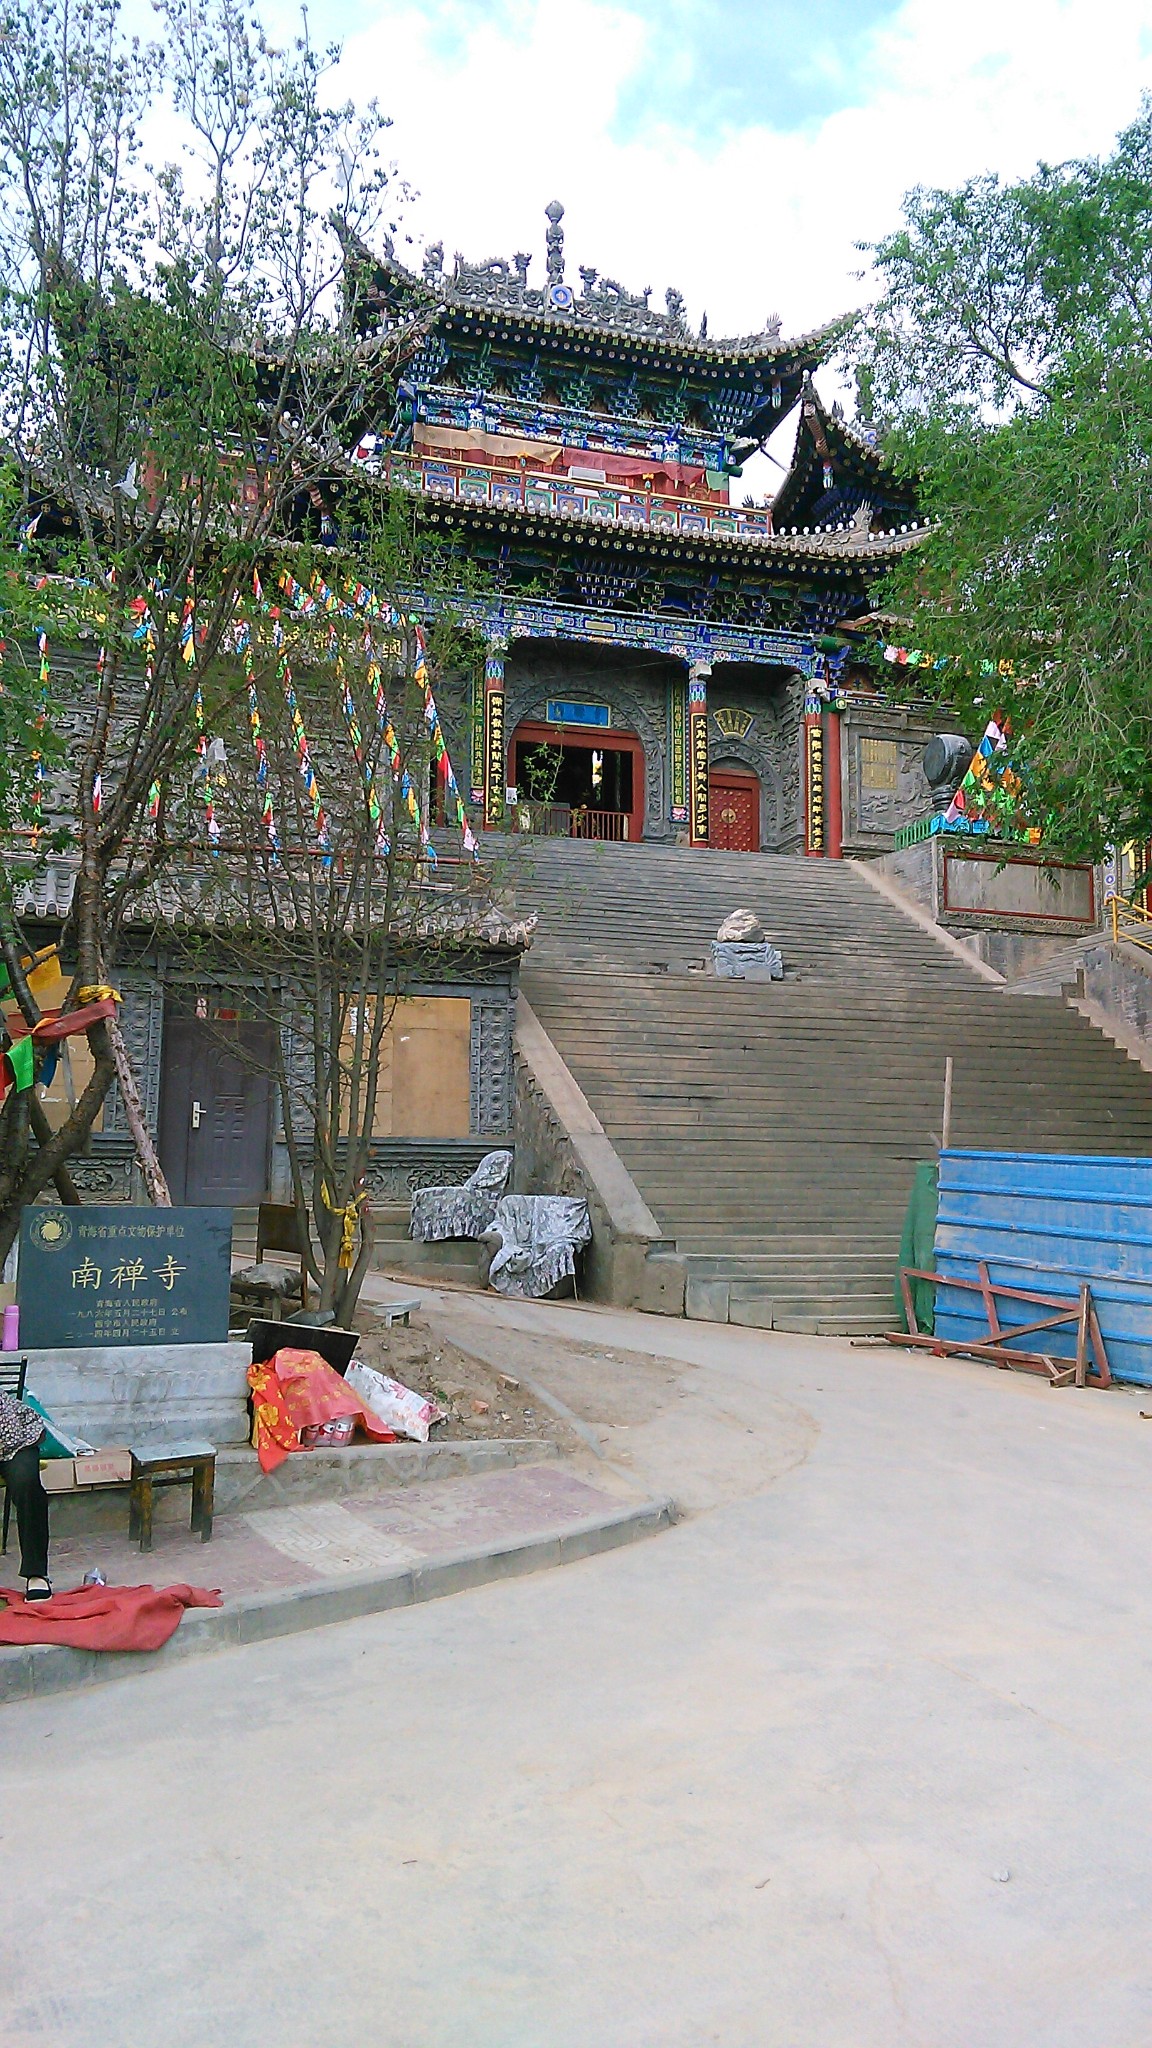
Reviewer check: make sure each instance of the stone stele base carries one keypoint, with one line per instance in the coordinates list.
(145, 1391)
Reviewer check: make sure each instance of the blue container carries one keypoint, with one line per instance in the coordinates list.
(1049, 1220)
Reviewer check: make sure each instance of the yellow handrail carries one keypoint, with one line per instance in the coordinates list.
(1124, 916)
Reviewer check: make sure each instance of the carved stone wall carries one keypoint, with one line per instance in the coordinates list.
(397, 1166)
(873, 811)
(790, 736)
(491, 1073)
(142, 1024)
(545, 1161)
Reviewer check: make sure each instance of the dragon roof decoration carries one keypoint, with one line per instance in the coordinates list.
(600, 303)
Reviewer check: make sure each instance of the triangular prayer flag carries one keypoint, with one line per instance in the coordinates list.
(22, 1060)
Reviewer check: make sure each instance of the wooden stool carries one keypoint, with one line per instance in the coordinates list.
(171, 1465)
(395, 1311)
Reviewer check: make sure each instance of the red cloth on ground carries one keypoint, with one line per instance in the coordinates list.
(102, 1617)
(298, 1390)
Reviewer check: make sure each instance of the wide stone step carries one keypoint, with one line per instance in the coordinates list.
(774, 1129)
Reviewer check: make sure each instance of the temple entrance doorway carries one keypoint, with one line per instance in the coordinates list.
(734, 810)
(216, 1097)
(578, 785)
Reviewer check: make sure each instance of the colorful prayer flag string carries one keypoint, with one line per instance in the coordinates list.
(365, 600)
(308, 603)
(267, 813)
(303, 753)
(210, 819)
(439, 748)
(188, 632)
(992, 795)
(37, 758)
(364, 764)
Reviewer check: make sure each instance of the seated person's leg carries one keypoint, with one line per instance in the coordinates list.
(22, 1477)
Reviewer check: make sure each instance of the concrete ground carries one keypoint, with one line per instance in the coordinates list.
(275, 1548)
(855, 1757)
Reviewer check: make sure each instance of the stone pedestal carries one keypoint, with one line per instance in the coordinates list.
(146, 1391)
(733, 962)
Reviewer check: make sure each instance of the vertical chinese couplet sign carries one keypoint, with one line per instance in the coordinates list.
(476, 741)
(814, 782)
(698, 751)
(119, 1274)
(678, 748)
(494, 762)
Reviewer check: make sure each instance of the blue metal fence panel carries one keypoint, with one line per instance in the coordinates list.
(1049, 1220)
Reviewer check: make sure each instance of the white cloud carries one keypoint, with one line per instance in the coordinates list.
(494, 121)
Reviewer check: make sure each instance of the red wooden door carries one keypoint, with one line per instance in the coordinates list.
(734, 813)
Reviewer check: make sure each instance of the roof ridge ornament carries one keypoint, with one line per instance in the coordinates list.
(554, 214)
(598, 302)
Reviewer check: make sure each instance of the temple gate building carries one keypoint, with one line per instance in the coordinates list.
(660, 664)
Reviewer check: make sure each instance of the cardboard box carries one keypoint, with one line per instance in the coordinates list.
(58, 1475)
(108, 1467)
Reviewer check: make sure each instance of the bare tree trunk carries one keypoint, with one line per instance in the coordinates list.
(149, 1162)
(354, 1281)
(42, 1131)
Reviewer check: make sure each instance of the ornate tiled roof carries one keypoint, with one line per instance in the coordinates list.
(205, 893)
(601, 305)
(618, 519)
(837, 469)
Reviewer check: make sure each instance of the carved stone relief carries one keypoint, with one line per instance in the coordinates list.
(876, 811)
(772, 748)
(490, 1064)
(142, 1024)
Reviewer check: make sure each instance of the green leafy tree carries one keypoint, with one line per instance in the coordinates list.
(1008, 360)
(185, 358)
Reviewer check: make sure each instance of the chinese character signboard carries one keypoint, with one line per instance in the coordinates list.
(698, 757)
(814, 755)
(495, 771)
(124, 1275)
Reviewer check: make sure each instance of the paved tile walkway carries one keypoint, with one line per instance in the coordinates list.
(277, 1548)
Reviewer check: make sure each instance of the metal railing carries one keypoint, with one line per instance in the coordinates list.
(466, 483)
(599, 825)
(566, 821)
(1130, 922)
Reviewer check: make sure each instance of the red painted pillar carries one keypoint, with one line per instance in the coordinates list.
(834, 828)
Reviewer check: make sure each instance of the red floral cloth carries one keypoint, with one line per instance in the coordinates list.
(297, 1390)
(102, 1617)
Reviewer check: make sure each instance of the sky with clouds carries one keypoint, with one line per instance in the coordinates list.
(738, 149)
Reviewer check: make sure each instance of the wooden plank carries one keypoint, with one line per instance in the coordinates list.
(1100, 1355)
(1082, 1333)
(989, 1298)
(906, 1292)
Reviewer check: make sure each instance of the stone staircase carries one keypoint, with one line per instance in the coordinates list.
(452, 1259)
(1061, 973)
(773, 1129)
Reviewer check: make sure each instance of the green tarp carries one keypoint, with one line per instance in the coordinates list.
(918, 1248)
